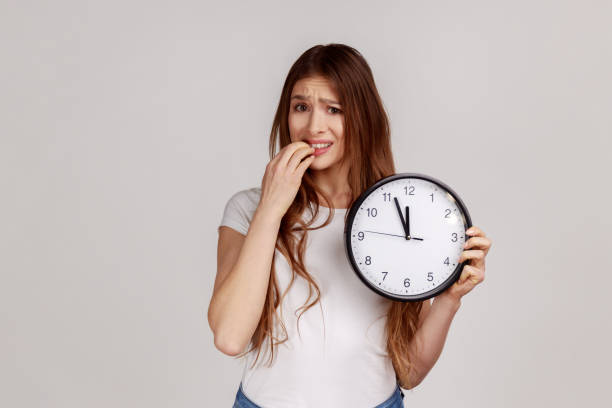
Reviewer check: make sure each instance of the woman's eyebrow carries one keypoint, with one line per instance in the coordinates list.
(303, 98)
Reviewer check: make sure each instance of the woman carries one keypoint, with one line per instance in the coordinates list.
(281, 252)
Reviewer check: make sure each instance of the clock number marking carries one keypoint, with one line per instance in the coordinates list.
(447, 211)
(431, 197)
(372, 212)
(368, 260)
(446, 261)
(407, 282)
(454, 239)
(385, 275)
(360, 235)
(386, 196)
(430, 276)
(411, 188)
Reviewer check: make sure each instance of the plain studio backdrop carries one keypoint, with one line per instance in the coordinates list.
(126, 126)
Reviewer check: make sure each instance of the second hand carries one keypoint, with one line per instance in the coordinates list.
(393, 235)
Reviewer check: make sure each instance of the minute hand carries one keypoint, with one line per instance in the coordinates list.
(399, 211)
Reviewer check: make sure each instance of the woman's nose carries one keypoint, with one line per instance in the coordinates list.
(317, 122)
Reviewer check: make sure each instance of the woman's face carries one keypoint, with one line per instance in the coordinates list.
(316, 117)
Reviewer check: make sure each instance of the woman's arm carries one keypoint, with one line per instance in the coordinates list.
(243, 274)
(428, 341)
(244, 263)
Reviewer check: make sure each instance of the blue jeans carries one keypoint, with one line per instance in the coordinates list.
(396, 400)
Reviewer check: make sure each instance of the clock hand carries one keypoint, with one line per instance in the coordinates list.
(393, 235)
(382, 233)
(399, 211)
(408, 224)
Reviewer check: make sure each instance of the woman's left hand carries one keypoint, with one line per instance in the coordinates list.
(475, 249)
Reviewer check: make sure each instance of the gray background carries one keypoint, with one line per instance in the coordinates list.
(126, 125)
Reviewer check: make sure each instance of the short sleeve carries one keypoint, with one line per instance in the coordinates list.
(239, 210)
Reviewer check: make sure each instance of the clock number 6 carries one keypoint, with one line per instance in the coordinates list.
(407, 282)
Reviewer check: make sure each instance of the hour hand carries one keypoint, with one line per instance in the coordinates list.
(399, 211)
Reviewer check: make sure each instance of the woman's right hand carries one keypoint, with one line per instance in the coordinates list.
(283, 177)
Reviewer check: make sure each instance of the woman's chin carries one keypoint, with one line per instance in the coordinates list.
(319, 164)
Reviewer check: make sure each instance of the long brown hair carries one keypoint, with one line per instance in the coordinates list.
(368, 150)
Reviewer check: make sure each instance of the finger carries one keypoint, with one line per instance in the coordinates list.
(287, 152)
(477, 254)
(478, 242)
(304, 165)
(471, 274)
(475, 231)
(465, 274)
(297, 157)
(280, 161)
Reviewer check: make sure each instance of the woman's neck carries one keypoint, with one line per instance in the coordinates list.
(334, 184)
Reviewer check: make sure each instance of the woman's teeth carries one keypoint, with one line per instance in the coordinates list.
(320, 145)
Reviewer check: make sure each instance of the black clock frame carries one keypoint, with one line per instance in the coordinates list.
(349, 225)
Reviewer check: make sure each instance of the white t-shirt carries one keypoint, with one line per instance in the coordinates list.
(339, 357)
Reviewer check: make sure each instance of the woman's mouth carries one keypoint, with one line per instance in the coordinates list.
(320, 148)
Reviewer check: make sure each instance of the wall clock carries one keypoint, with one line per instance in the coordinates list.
(404, 236)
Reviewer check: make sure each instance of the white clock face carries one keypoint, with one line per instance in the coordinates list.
(417, 252)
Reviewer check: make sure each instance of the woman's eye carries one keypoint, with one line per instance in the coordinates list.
(298, 107)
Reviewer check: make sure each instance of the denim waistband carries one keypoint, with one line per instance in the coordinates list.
(396, 400)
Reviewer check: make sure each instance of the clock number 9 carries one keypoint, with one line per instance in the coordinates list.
(360, 235)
